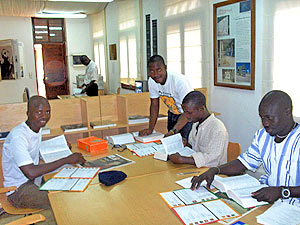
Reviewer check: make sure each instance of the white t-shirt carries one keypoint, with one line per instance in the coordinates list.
(21, 147)
(91, 73)
(172, 92)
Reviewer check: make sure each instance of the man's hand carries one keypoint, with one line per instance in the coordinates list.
(267, 194)
(208, 176)
(170, 133)
(75, 158)
(145, 132)
(176, 158)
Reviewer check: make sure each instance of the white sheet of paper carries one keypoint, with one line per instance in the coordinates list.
(186, 182)
(59, 184)
(172, 143)
(188, 196)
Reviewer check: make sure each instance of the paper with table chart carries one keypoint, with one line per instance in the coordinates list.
(61, 184)
(206, 212)
(187, 196)
(173, 144)
(77, 172)
(141, 149)
(54, 149)
(280, 213)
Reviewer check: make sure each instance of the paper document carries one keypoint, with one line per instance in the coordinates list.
(54, 149)
(60, 184)
(186, 182)
(121, 139)
(280, 213)
(77, 172)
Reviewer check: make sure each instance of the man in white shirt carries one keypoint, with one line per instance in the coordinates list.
(20, 158)
(276, 146)
(208, 137)
(171, 88)
(91, 77)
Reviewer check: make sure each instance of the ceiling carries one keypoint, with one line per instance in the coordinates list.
(29, 8)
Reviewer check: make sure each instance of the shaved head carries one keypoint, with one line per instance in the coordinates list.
(35, 101)
(278, 98)
(196, 98)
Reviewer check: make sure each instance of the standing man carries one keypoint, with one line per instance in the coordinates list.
(208, 137)
(91, 77)
(276, 146)
(171, 88)
(20, 158)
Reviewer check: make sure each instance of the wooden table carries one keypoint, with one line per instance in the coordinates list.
(132, 201)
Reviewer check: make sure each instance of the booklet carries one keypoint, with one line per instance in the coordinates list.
(65, 184)
(239, 188)
(142, 150)
(121, 139)
(172, 145)
(102, 124)
(109, 162)
(54, 149)
(77, 172)
(206, 212)
(187, 196)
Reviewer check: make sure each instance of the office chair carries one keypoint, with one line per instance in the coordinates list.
(28, 220)
(233, 151)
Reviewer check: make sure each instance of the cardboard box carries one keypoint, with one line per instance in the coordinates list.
(92, 144)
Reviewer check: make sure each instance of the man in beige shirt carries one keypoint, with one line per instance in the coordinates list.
(208, 137)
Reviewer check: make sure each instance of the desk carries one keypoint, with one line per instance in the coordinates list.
(132, 201)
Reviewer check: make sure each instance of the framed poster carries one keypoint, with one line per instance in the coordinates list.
(7, 60)
(234, 44)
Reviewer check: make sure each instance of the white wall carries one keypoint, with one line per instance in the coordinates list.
(239, 108)
(20, 28)
(113, 38)
(78, 35)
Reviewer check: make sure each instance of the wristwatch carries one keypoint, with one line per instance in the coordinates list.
(174, 130)
(285, 192)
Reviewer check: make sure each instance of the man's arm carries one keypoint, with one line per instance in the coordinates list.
(178, 159)
(234, 167)
(181, 122)
(154, 109)
(32, 171)
(87, 85)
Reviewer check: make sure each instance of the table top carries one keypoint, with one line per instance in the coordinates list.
(132, 201)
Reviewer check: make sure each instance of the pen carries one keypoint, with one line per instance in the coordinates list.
(187, 173)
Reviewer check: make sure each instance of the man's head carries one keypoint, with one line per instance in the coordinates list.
(84, 60)
(194, 106)
(157, 69)
(275, 111)
(38, 112)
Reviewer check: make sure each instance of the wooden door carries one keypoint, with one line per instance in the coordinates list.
(55, 69)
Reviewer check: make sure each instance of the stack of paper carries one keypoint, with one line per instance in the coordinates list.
(74, 127)
(121, 139)
(150, 138)
(102, 124)
(138, 119)
(280, 213)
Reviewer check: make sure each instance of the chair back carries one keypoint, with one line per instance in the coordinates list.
(233, 151)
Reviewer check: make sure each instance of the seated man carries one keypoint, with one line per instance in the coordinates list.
(276, 146)
(91, 77)
(20, 158)
(208, 137)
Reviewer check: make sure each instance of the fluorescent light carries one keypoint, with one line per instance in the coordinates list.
(80, 0)
(60, 15)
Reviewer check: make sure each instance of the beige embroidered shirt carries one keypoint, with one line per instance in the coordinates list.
(209, 142)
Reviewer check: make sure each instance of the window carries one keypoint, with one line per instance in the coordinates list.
(48, 30)
(185, 38)
(129, 41)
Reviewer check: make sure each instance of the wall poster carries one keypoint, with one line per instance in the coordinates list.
(234, 44)
(7, 60)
